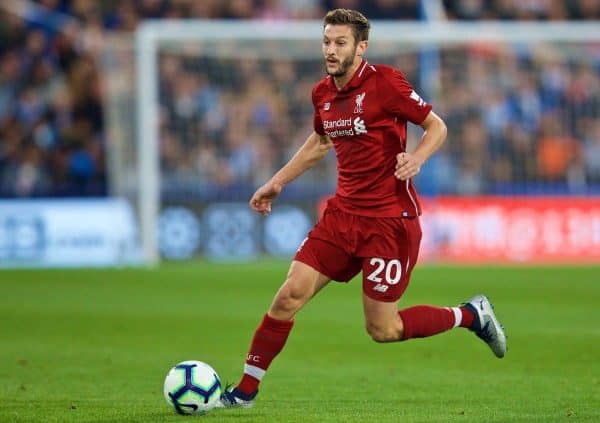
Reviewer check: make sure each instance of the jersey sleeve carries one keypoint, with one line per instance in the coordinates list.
(317, 121)
(401, 100)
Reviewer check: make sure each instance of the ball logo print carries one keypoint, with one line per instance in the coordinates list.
(192, 387)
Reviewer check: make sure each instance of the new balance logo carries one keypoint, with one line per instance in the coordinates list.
(326, 106)
(380, 287)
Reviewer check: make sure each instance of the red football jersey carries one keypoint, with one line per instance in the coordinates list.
(366, 121)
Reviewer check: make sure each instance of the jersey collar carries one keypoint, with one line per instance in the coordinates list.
(356, 80)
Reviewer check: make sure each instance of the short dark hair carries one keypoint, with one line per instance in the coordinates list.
(359, 23)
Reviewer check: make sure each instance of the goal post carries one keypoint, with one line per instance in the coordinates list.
(212, 42)
(146, 45)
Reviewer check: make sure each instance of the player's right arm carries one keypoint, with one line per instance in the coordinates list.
(312, 151)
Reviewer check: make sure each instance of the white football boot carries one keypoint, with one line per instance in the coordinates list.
(235, 398)
(485, 324)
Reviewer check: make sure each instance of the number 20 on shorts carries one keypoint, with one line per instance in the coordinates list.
(386, 272)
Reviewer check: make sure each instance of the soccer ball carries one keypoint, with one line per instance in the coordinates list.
(192, 387)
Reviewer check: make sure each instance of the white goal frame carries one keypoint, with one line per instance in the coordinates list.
(152, 33)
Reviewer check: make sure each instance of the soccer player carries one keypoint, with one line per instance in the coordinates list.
(372, 222)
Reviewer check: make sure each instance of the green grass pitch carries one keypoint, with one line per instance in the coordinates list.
(95, 346)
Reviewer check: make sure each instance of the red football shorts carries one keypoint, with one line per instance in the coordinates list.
(385, 248)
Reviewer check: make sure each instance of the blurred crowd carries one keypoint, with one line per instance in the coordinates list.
(523, 9)
(518, 119)
(51, 113)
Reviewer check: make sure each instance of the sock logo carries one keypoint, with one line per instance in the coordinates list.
(253, 358)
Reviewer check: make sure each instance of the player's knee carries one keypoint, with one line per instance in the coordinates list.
(289, 299)
(384, 332)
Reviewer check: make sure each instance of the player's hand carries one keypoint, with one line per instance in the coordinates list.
(263, 197)
(407, 166)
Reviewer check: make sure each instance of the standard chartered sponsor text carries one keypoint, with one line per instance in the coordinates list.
(344, 127)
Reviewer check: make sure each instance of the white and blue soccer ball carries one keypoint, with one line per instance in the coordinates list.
(192, 387)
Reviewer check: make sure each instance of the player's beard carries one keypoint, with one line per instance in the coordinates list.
(344, 65)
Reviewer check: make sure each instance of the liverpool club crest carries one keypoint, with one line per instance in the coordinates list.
(359, 103)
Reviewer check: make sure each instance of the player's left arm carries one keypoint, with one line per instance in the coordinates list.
(409, 164)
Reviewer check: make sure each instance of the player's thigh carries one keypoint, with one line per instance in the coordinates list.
(329, 256)
(305, 280)
(301, 284)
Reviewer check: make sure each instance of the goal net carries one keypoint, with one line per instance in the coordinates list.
(209, 110)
